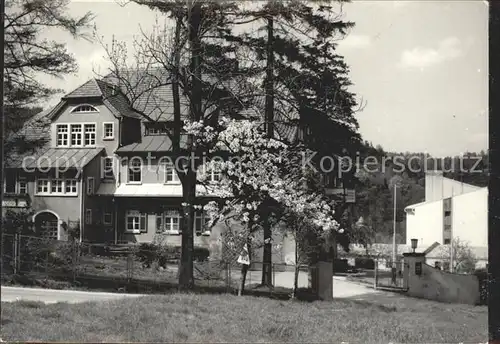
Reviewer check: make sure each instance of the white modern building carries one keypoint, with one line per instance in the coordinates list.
(451, 210)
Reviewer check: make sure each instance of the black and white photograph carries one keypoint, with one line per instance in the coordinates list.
(237, 171)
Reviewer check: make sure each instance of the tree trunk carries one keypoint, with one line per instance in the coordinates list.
(267, 272)
(195, 65)
(175, 87)
(267, 254)
(244, 270)
(186, 278)
(296, 275)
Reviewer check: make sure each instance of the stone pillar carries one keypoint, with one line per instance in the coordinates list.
(413, 263)
(325, 281)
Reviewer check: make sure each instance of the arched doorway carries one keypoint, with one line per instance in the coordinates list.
(47, 225)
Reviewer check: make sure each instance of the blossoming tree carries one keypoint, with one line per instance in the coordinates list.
(263, 179)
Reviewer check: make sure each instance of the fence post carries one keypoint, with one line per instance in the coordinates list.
(228, 276)
(47, 264)
(273, 267)
(73, 260)
(375, 273)
(15, 253)
(129, 267)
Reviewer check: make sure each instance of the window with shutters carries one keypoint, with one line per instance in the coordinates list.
(168, 222)
(135, 222)
(201, 223)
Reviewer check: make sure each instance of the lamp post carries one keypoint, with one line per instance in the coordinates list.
(414, 243)
(394, 240)
(394, 228)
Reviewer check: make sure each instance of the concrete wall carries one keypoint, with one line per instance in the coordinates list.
(441, 286)
(425, 224)
(470, 217)
(437, 187)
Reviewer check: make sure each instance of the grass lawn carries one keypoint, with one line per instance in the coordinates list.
(227, 318)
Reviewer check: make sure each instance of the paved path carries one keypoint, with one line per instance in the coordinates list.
(342, 288)
(10, 294)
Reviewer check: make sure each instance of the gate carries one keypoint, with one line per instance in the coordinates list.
(389, 275)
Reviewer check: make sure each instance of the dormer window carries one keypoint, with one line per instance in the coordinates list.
(85, 108)
(153, 129)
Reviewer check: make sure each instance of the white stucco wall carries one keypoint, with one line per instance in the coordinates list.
(437, 187)
(426, 224)
(470, 217)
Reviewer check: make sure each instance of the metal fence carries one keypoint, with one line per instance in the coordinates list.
(131, 267)
(388, 274)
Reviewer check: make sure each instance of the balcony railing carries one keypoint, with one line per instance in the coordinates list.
(348, 194)
(15, 200)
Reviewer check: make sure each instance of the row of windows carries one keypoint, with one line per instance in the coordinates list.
(56, 186)
(156, 131)
(81, 134)
(62, 186)
(167, 222)
(134, 174)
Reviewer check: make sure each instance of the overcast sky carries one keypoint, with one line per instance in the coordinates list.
(421, 68)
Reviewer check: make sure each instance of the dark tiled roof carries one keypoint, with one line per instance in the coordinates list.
(149, 91)
(60, 158)
(157, 143)
(147, 94)
(117, 102)
(33, 138)
(87, 90)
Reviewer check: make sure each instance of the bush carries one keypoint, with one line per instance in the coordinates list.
(149, 253)
(18, 221)
(364, 263)
(482, 276)
(340, 265)
(201, 254)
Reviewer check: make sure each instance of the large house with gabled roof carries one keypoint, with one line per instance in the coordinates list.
(85, 175)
